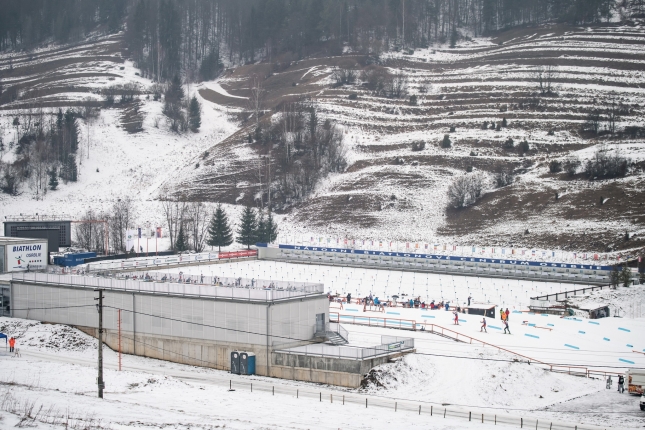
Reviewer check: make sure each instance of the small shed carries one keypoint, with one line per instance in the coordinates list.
(595, 309)
(73, 259)
(483, 309)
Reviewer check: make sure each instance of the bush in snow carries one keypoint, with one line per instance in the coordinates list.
(555, 166)
(465, 190)
(413, 100)
(571, 166)
(419, 145)
(523, 147)
(445, 143)
(509, 144)
(605, 165)
(503, 177)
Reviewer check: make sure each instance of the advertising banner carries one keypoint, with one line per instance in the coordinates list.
(237, 254)
(27, 256)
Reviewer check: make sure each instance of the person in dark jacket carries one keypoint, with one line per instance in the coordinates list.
(621, 384)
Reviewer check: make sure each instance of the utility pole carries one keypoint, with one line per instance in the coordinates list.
(99, 380)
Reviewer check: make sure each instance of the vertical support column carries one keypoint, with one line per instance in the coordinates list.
(119, 329)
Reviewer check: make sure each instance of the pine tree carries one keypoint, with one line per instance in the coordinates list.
(195, 115)
(71, 168)
(247, 231)
(181, 244)
(614, 277)
(270, 229)
(625, 276)
(53, 179)
(175, 92)
(260, 233)
(219, 230)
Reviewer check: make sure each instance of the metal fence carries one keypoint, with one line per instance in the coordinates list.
(218, 281)
(393, 345)
(239, 292)
(171, 260)
(428, 410)
(549, 299)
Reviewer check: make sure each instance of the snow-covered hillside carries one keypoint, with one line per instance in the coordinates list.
(388, 192)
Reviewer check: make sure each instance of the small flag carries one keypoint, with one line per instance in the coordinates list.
(595, 257)
(533, 252)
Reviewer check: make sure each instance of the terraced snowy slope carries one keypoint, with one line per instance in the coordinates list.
(391, 192)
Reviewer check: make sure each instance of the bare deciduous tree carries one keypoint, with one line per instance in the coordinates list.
(256, 100)
(121, 217)
(196, 223)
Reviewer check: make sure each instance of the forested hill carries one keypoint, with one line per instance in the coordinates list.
(169, 36)
(486, 122)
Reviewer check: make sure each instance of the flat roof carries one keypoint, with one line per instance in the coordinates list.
(5, 240)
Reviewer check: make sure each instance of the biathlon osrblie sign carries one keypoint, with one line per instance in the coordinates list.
(511, 262)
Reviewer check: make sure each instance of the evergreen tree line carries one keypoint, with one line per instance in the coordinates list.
(191, 37)
(45, 147)
(191, 227)
(181, 113)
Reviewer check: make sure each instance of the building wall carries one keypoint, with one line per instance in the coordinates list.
(196, 331)
(325, 370)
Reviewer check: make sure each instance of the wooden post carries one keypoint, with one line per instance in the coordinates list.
(119, 325)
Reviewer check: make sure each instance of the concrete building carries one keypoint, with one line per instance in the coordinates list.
(193, 324)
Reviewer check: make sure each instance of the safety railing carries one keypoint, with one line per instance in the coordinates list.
(166, 288)
(373, 321)
(460, 337)
(393, 346)
(219, 281)
(172, 260)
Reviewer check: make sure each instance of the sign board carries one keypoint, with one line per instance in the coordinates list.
(26, 256)
(506, 261)
(237, 254)
(395, 345)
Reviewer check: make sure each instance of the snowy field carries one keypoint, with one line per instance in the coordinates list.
(360, 282)
(58, 368)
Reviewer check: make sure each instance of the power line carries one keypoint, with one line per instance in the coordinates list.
(53, 307)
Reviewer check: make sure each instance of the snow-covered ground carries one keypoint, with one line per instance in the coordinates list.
(58, 368)
(360, 282)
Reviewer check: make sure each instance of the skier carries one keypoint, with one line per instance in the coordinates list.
(507, 313)
(456, 317)
(469, 299)
(12, 343)
(349, 298)
(483, 327)
(506, 327)
(621, 382)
